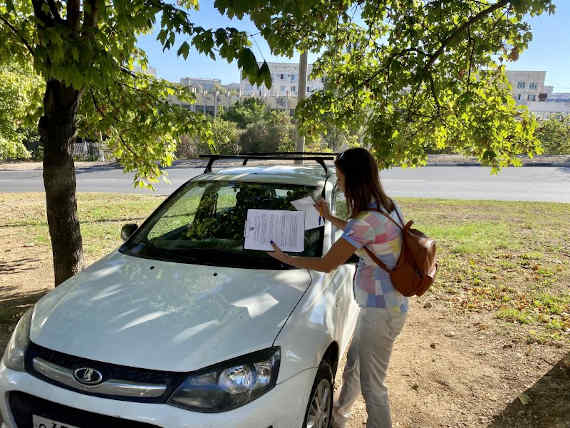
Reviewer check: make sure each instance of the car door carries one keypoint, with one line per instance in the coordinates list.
(342, 277)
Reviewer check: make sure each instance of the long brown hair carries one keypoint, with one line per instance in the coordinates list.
(362, 181)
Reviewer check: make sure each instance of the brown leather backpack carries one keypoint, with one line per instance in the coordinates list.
(416, 268)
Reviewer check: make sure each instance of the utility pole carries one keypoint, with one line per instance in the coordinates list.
(300, 97)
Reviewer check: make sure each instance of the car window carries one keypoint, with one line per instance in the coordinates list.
(204, 223)
(181, 213)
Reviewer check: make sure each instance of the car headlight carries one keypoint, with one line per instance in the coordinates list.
(16, 348)
(231, 384)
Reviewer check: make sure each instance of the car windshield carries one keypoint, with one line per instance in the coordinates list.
(203, 223)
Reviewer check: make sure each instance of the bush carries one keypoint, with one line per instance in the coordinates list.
(251, 110)
(20, 108)
(554, 134)
(225, 138)
(276, 133)
(187, 148)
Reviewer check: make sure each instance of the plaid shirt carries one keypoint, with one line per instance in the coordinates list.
(372, 284)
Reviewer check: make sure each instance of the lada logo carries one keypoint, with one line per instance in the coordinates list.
(88, 376)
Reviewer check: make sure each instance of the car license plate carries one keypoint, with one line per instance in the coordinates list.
(41, 422)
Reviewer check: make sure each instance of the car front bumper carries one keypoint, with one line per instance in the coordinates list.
(282, 407)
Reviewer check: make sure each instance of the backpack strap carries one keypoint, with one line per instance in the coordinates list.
(389, 217)
(377, 260)
(370, 253)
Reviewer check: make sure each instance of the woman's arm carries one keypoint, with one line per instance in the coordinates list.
(338, 222)
(337, 255)
(323, 208)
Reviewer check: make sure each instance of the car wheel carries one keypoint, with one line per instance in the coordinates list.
(319, 407)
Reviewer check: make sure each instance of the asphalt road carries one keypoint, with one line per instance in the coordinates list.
(452, 182)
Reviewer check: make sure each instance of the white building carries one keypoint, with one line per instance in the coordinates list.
(528, 86)
(211, 95)
(149, 70)
(560, 97)
(544, 110)
(285, 84)
(205, 84)
(529, 89)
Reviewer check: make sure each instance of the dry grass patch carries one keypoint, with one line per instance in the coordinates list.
(494, 328)
(509, 258)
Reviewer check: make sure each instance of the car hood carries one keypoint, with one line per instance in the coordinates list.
(165, 316)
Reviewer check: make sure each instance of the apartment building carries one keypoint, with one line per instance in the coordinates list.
(211, 95)
(528, 89)
(204, 84)
(285, 84)
(528, 86)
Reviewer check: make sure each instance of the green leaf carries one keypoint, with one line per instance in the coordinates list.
(265, 75)
(184, 50)
(248, 63)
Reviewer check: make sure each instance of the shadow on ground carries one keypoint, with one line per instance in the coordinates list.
(546, 404)
(17, 266)
(13, 304)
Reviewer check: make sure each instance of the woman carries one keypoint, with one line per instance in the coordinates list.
(382, 309)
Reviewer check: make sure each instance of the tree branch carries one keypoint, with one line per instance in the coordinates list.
(434, 94)
(392, 57)
(127, 71)
(472, 46)
(73, 14)
(91, 16)
(40, 14)
(129, 148)
(54, 11)
(96, 104)
(24, 41)
(433, 57)
(123, 142)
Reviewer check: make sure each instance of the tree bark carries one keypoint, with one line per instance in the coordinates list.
(57, 129)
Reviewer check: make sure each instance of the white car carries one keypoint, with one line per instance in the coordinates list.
(182, 327)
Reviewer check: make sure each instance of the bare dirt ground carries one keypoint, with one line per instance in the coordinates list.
(447, 370)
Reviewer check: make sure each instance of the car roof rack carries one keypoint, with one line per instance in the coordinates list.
(319, 157)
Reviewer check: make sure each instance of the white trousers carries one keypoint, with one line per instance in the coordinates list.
(366, 367)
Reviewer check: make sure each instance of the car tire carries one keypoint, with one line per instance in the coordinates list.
(320, 403)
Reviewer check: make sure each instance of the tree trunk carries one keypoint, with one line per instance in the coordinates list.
(57, 129)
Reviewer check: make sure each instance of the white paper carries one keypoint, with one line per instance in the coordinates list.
(285, 228)
(312, 217)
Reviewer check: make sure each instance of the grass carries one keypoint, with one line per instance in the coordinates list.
(508, 258)
(511, 259)
(101, 216)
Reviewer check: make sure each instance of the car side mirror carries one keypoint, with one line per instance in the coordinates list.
(127, 230)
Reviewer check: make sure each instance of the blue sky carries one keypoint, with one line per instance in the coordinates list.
(549, 50)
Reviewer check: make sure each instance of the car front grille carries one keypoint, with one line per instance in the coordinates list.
(24, 406)
(119, 382)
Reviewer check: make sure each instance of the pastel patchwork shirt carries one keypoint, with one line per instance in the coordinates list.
(372, 284)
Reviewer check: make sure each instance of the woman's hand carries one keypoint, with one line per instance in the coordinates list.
(323, 208)
(278, 254)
